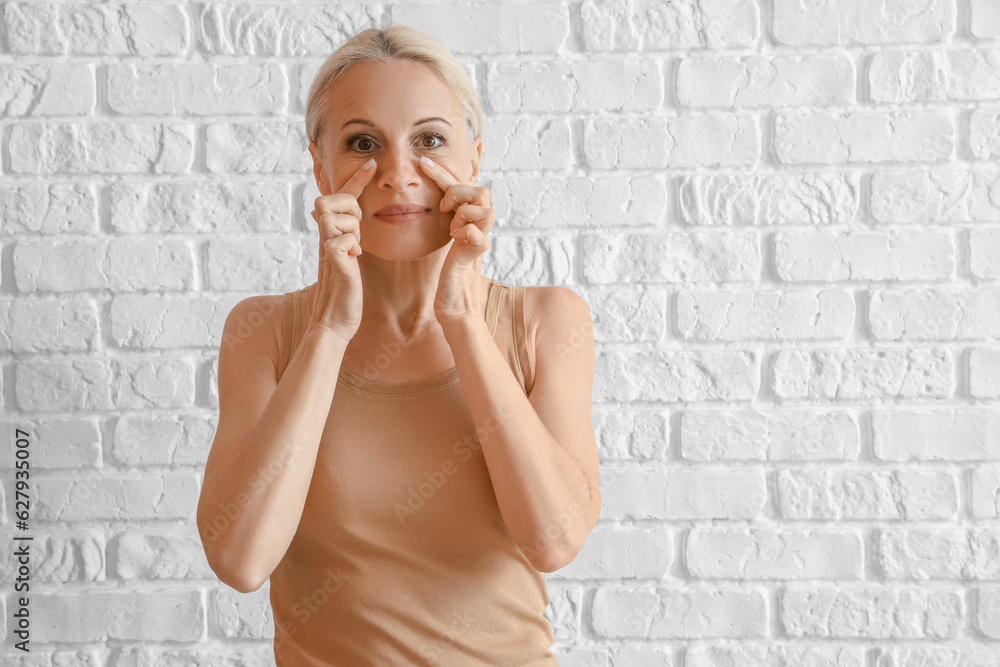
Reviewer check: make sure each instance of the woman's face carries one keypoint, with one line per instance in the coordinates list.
(390, 100)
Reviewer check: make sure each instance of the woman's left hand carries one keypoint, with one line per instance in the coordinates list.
(457, 295)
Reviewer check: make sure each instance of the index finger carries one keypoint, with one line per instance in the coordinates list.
(441, 176)
(359, 179)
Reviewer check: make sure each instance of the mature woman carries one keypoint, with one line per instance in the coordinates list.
(404, 445)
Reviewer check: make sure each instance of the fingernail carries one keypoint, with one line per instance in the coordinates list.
(369, 164)
(427, 161)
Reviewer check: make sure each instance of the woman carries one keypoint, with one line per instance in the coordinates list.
(404, 445)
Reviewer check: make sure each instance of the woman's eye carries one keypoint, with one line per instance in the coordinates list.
(365, 144)
(436, 137)
(357, 141)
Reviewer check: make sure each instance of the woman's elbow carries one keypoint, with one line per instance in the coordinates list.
(231, 571)
(236, 575)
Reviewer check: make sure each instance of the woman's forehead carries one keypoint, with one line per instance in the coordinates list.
(395, 89)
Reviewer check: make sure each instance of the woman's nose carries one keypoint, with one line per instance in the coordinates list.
(398, 167)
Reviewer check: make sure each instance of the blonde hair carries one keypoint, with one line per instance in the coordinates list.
(387, 44)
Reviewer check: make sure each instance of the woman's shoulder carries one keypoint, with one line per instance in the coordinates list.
(262, 311)
(538, 298)
(547, 304)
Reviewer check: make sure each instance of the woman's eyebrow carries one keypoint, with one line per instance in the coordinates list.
(362, 121)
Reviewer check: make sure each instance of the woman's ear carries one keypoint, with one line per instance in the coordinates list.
(477, 156)
(318, 171)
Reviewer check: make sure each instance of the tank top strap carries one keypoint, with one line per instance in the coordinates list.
(294, 319)
(285, 349)
(521, 343)
(492, 301)
(506, 319)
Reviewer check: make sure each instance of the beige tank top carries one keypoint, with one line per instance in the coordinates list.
(401, 556)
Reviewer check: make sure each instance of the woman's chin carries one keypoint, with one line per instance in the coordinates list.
(398, 251)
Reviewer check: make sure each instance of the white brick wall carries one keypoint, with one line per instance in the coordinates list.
(784, 214)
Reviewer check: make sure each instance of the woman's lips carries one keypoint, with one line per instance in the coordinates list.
(402, 218)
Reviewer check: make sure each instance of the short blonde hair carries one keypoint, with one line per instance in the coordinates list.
(387, 44)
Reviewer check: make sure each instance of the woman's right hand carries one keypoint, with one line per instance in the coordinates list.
(338, 299)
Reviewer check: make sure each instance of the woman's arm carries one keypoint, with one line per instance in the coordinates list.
(540, 449)
(262, 459)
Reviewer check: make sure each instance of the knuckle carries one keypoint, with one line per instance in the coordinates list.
(335, 201)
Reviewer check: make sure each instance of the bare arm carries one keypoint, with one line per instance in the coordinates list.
(540, 449)
(262, 459)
